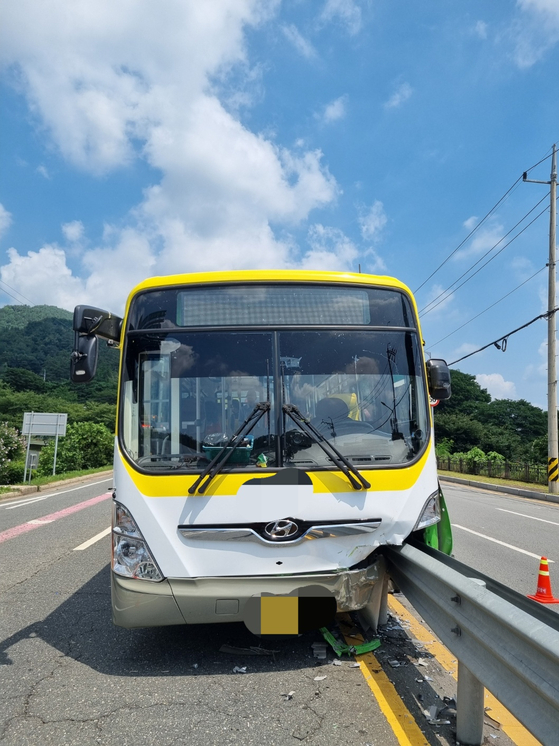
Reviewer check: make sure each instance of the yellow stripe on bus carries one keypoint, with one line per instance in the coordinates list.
(383, 480)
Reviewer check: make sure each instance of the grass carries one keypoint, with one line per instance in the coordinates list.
(495, 480)
(40, 481)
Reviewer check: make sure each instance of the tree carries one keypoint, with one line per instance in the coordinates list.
(40, 339)
(87, 445)
(503, 440)
(20, 379)
(539, 450)
(11, 446)
(467, 394)
(462, 429)
(516, 416)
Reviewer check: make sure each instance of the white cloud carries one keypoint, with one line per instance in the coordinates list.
(73, 231)
(551, 7)
(464, 349)
(42, 170)
(496, 385)
(535, 31)
(302, 45)
(330, 249)
(540, 369)
(375, 264)
(400, 96)
(524, 268)
(480, 29)
(43, 277)
(373, 221)
(5, 220)
(335, 110)
(484, 238)
(112, 82)
(440, 304)
(345, 11)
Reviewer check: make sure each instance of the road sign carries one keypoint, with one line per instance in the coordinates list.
(43, 423)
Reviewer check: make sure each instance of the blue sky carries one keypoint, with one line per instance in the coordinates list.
(142, 139)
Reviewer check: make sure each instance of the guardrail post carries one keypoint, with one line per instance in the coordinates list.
(469, 708)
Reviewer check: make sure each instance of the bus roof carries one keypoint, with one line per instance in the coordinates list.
(268, 275)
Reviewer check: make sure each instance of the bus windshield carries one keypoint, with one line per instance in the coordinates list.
(186, 392)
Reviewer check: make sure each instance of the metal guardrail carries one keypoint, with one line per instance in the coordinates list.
(502, 641)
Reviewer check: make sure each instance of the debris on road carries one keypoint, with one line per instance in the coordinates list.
(341, 648)
(253, 650)
(240, 669)
(319, 650)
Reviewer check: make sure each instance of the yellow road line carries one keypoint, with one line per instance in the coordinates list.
(392, 707)
(509, 724)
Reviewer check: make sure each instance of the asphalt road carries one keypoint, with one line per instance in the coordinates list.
(504, 536)
(68, 676)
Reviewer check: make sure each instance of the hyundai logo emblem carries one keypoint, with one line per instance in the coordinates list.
(281, 530)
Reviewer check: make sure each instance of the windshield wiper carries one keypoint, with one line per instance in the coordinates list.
(225, 453)
(391, 353)
(331, 451)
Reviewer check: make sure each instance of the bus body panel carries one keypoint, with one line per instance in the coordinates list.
(158, 518)
(139, 603)
(208, 577)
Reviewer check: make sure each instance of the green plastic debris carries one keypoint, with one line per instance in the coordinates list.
(340, 648)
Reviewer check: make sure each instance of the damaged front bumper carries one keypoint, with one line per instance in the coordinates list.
(140, 603)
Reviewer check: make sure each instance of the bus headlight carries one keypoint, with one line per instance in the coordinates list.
(131, 556)
(431, 512)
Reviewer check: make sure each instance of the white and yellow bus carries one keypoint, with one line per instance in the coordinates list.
(274, 432)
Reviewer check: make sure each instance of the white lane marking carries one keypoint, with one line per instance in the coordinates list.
(29, 501)
(52, 494)
(38, 522)
(91, 541)
(553, 523)
(502, 543)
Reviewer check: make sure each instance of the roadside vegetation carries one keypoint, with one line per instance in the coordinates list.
(494, 438)
(35, 347)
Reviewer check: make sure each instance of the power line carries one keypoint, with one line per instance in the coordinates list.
(476, 227)
(482, 257)
(501, 342)
(2, 282)
(489, 307)
(427, 310)
(470, 234)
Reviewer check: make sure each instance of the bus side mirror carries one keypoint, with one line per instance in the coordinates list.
(83, 363)
(438, 377)
(104, 324)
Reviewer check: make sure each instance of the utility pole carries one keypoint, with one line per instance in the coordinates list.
(552, 446)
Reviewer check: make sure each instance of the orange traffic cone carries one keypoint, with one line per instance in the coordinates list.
(543, 591)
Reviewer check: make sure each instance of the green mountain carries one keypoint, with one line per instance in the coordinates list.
(17, 317)
(35, 347)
